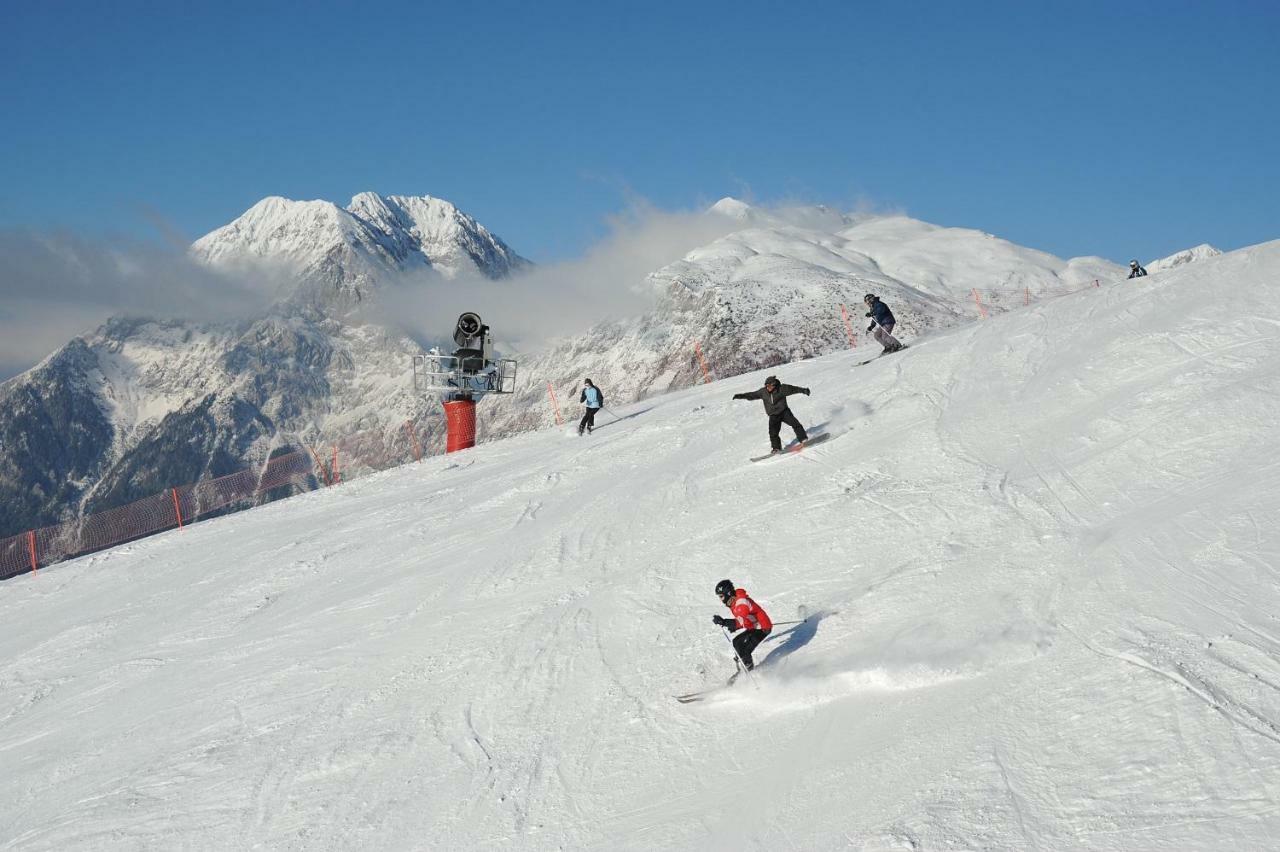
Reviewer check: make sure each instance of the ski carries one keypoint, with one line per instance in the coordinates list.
(703, 694)
(795, 447)
(803, 615)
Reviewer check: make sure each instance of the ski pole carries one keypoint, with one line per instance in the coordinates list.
(743, 666)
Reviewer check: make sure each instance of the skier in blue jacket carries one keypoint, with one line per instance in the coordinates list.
(883, 317)
(593, 399)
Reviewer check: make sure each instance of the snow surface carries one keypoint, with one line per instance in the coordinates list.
(1041, 553)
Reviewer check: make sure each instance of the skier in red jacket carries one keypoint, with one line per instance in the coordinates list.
(748, 617)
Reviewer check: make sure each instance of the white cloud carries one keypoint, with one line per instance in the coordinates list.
(558, 299)
(55, 286)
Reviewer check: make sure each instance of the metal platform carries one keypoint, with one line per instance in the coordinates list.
(472, 375)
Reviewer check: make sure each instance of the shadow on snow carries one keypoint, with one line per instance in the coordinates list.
(796, 638)
(620, 419)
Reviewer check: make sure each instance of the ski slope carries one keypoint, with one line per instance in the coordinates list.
(1042, 554)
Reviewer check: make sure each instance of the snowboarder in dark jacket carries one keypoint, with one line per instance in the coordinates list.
(882, 323)
(593, 399)
(1136, 270)
(748, 616)
(774, 396)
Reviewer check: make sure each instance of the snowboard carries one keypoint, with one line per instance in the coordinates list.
(794, 447)
(881, 355)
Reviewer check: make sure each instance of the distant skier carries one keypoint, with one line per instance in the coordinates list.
(774, 396)
(1136, 270)
(748, 617)
(593, 399)
(882, 317)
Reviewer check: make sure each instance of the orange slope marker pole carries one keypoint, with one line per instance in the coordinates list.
(977, 300)
(413, 439)
(848, 327)
(320, 465)
(706, 374)
(555, 404)
(177, 509)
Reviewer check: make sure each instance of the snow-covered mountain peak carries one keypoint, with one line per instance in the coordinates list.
(278, 228)
(900, 227)
(1204, 251)
(366, 202)
(809, 216)
(947, 260)
(408, 212)
(733, 208)
(339, 254)
(454, 240)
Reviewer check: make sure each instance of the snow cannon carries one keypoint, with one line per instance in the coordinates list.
(463, 377)
(474, 345)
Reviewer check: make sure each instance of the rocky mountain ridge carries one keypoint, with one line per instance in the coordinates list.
(144, 404)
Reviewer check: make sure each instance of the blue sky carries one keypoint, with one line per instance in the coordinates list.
(1120, 128)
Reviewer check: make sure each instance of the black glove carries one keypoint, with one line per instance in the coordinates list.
(873, 325)
(739, 396)
(722, 622)
(867, 314)
(804, 391)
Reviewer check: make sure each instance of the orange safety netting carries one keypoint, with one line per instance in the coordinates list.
(300, 470)
(1007, 298)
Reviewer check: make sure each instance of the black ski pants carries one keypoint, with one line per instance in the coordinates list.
(588, 420)
(746, 642)
(775, 426)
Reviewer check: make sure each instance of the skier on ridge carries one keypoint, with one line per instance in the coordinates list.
(774, 396)
(747, 616)
(1136, 270)
(593, 399)
(882, 316)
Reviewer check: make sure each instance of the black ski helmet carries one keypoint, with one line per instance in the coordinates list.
(588, 381)
(1133, 263)
(724, 589)
(772, 380)
(870, 297)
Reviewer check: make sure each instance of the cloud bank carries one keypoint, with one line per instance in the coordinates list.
(55, 286)
(555, 300)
